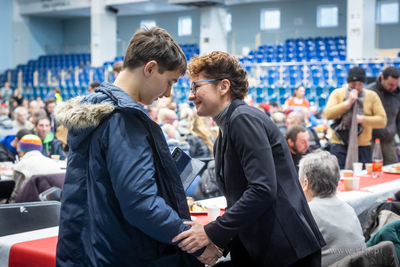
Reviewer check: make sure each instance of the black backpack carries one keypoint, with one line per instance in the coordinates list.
(208, 186)
(369, 218)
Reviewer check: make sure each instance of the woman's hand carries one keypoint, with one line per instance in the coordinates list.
(193, 239)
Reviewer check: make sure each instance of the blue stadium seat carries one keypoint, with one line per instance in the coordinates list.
(273, 97)
(331, 89)
(319, 91)
(322, 101)
(271, 91)
(260, 98)
(282, 91)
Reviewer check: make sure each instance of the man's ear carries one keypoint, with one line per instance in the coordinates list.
(225, 86)
(290, 143)
(150, 68)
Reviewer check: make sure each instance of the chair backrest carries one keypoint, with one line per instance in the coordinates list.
(23, 217)
(51, 194)
(38, 184)
(6, 188)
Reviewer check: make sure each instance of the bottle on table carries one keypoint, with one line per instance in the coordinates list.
(377, 160)
(388, 205)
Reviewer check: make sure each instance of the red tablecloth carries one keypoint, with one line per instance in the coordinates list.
(35, 253)
(367, 180)
(42, 252)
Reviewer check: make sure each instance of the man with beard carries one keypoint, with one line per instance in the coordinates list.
(297, 138)
(387, 88)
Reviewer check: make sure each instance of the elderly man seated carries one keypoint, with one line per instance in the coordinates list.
(21, 119)
(337, 221)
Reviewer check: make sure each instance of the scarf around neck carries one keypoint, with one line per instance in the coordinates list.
(349, 120)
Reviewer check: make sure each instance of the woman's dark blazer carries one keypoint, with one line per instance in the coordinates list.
(266, 206)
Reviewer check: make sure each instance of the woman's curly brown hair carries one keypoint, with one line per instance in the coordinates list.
(220, 65)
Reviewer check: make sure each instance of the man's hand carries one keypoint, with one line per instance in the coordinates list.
(210, 255)
(352, 98)
(360, 119)
(193, 239)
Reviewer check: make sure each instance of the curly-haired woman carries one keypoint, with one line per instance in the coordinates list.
(267, 221)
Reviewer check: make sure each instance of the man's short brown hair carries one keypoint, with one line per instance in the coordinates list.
(220, 65)
(41, 118)
(155, 44)
(117, 66)
(294, 131)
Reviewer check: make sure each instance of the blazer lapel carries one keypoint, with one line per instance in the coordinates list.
(221, 142)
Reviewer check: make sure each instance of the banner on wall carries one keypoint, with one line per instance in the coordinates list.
(43, 6)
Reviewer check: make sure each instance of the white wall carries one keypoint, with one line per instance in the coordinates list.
(6, 60)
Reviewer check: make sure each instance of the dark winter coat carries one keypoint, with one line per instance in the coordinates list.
(197, 147)
(7, 152)
(391, 104)
(123, 200)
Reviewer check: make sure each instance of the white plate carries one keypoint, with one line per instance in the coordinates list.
(390, 170)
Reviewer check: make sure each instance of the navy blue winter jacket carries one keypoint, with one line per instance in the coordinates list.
(123, 200)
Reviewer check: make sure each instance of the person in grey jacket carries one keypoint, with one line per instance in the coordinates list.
(337, 221)
(387, 88)
(6, 92)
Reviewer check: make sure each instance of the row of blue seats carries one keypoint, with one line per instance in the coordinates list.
(296, 49)
(65, 57)
(299, 50)
(316, 96)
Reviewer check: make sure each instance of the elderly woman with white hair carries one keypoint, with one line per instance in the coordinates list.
(337, 221)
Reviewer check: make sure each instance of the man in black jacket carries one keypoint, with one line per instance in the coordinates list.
(387, 88)
(9, 145)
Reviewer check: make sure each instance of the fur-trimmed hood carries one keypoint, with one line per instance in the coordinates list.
(82, 114)
(76, 115)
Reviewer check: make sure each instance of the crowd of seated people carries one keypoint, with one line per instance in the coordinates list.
(33, 133)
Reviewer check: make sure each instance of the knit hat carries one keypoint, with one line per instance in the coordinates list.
(356, 74)
(30, 142)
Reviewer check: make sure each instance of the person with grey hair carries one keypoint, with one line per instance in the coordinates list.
(6, 125)
(337, 221)
(33, 106)
(169, 130)
(21, 119)
(280, 121)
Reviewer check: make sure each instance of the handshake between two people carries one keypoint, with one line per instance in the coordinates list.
(196, 238)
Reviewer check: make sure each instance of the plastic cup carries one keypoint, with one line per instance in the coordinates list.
(347, 173)
(7, 165)
(56, 158)
(368, 167)
(357, 167)
(213, 212)
(351, 183)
